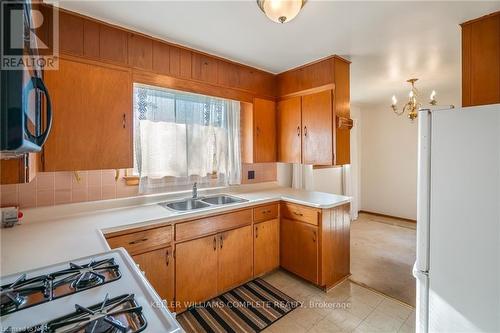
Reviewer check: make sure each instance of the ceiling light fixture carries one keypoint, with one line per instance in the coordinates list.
(413, 104)
(281, 11)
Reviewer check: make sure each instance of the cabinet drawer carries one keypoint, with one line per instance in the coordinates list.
(211, 225)
(141, 241)
(265, 213)
(300, 213)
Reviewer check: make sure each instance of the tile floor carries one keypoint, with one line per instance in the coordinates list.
(347, 307)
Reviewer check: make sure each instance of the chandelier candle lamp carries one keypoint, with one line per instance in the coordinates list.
(413, 105)
(281, 11)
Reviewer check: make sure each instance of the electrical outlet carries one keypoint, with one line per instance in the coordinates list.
(251, 174)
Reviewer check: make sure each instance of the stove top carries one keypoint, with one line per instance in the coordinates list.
(24, 292)
(103, 293)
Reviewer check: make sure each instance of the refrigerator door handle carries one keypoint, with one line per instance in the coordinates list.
(417, 274)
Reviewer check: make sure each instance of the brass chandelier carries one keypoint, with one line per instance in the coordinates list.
(413, 105)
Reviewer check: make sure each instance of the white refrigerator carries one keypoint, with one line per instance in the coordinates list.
(458, 220)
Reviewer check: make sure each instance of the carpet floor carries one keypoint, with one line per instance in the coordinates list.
(249, 308)
(383, 254)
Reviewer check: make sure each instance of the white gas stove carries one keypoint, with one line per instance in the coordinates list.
(105, 292)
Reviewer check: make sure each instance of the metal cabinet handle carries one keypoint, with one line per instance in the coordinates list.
(168, 257)
(124, 120)
(298, 213)
(305, 130)
(137, 241)
(221, 241)
(256, 231)
(314, 236)
(298, 130)
(215, 243)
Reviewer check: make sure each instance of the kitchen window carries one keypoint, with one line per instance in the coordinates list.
(181, 138)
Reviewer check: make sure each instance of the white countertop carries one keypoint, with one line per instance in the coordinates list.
(50, 235)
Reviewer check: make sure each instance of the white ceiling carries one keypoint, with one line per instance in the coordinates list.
(387, 42)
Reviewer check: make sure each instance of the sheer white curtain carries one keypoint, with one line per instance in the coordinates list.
(181, 138)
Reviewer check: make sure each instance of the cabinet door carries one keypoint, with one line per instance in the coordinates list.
(266, 246)
(195, 271)
(18, 170)
(235, 253)
(92, 118)
(289, 131)
(299, 249)
(317, 128)
(264, 115)
(158, 267)
(481, 62)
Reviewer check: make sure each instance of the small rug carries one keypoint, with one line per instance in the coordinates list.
(248, 308)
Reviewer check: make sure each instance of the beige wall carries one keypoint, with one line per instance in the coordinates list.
(389, 163)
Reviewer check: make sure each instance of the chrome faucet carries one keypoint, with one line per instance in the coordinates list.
(195, 191)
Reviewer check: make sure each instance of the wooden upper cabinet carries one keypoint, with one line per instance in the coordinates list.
(481, 61)
(204, 68)
(317, 131)
(289, 130)
(266, 246)
(234, 262)
(92, 117)
(180, 62)
(113, 44)
(200, 284)
(158, 267)
(140, 52)
(161, 58)
(264, 122)
(71, 34)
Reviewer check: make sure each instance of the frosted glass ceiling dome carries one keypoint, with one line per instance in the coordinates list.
(281, 11)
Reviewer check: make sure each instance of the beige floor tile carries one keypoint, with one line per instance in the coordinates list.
(344, 319)
(406, 329)
(326, 326)
(365, 328)
(305, 317)
(395, 308)
(370, 298)
(358, 308)
(383, 321)
(285, 325)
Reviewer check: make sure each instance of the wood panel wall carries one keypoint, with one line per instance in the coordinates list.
(186, 69)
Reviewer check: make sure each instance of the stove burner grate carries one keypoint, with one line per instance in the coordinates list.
(85, 276)
(121, 314)
(16, 294)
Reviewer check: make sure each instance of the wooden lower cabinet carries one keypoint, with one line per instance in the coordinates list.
(266, 247)
(235, 249)
(158, 266)
(195, 271)
(299, 248)
(208, 266)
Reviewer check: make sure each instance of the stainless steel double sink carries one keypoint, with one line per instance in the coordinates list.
(204, 202)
